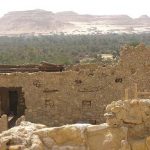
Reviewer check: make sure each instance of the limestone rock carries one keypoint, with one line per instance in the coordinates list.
(125, 145)
(103, 137)
(15, 147)
(138, 144)
(127, 128)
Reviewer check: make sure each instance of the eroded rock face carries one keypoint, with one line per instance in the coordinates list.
(127, 128)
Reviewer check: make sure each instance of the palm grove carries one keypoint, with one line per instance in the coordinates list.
(63, 49)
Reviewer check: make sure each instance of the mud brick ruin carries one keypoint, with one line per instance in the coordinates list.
(55, 97)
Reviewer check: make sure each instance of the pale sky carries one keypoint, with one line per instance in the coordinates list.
(134, 8)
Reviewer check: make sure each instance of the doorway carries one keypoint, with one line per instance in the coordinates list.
(13, 102)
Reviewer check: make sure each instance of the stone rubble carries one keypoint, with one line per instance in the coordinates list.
(127, 127)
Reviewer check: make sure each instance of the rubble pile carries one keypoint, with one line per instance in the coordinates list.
(127, 127)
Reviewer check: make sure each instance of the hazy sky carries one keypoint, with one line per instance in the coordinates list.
(134, 8)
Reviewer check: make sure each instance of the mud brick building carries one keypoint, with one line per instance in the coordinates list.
(54, 97)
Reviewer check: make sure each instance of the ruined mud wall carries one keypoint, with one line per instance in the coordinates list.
(80, 96)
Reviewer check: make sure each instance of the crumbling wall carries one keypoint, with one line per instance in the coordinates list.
(82, 95)
(134, 115)
(3, 123)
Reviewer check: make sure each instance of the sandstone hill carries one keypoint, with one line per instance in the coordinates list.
(43, 22)
(127, 128)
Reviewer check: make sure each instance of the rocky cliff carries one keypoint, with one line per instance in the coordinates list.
(43, 22)
(127, 128)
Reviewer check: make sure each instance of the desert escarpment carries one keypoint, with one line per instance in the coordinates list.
(41, 22)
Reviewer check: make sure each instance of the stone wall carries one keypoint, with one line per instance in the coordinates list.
(3, 123)
(81, 95)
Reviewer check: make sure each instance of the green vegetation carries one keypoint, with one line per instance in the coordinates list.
(61, 49)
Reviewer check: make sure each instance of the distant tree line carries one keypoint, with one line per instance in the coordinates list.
(63, 49)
